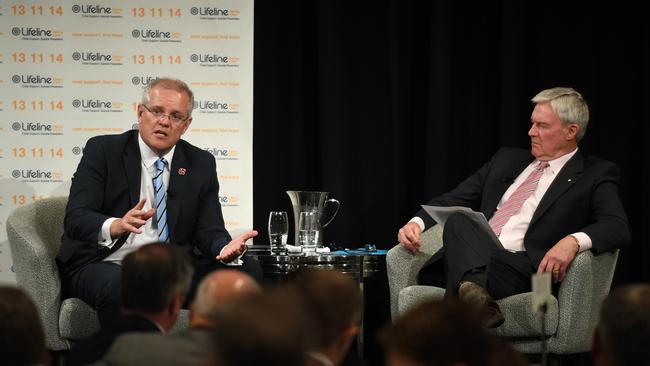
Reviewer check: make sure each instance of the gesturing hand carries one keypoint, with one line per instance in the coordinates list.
(236, 247)
(409, 236)
(132, 220)
(558, 258)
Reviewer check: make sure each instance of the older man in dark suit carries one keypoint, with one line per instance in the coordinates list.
(140, 187)
(544, 205)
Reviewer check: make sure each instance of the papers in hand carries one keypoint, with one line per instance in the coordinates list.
(441, 214)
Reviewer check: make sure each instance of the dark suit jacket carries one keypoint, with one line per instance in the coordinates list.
(107, 184)
(95, 347)
(582, 198)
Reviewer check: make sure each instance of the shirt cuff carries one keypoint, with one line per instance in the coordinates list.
(237, 262)
(418, 221)
(105, 234)
(584, 241)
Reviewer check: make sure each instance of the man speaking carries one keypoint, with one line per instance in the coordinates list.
(140, 187)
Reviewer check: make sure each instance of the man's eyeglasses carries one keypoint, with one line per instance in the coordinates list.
(175, 118)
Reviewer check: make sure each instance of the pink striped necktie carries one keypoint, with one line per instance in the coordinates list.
(516, 200)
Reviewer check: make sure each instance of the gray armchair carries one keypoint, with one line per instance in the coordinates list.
(570, 319)
(34, 234)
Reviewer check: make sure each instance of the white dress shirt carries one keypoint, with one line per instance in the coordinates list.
(149, 229)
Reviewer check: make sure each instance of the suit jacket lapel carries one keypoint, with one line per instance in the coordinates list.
(517, 165)
(177, 181)
(569, 174)
(132, 168)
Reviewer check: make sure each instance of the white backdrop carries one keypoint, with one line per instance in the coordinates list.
(70, 70)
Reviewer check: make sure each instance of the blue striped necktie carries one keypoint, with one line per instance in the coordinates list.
(161, 200)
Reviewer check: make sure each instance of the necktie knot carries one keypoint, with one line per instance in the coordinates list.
(160, 164)
(542, 165)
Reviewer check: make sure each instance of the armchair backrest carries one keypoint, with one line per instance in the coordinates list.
(34, 234)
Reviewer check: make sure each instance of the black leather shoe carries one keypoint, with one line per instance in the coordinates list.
(477, 297)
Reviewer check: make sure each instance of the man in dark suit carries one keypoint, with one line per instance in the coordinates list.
(544, 205)
(155, 280)
(144, 186)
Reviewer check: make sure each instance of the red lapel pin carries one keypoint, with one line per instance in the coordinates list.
(181, 171)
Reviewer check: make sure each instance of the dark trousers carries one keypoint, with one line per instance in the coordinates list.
(470, 254)
(99, 284)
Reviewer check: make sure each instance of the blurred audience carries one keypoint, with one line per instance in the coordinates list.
(22, 339)
(192, 346)
(444, 333)
(622, 336)
(267, 329)
(333, 303)
(155, 280)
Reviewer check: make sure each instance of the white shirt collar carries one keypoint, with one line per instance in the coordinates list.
(556, 164)
(149, 157)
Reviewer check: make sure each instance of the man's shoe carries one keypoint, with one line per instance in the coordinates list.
(476, 296)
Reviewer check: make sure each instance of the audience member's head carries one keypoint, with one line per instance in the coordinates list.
(216, 290)
(22, 339)
(260, 330)
(155, 279)
(622, 335)
(437, 333)
(333, 303)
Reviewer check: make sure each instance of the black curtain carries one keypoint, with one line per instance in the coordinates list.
(388, 103)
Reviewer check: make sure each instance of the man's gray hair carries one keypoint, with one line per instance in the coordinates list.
(569, 106)
(169, 83)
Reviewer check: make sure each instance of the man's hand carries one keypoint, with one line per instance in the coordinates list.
(558, 258)
(409, 236)
(132, 220)
(236, 247)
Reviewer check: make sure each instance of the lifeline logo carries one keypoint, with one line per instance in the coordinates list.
(97, 58)
(156, 35)
(223, 154)
(212, 60)
(96, 105)
(36, 34)
(37, 176)
(213, 106)
(142, 79)
(78, 150)
(37, 128)
(97, 11)
(229, 201)
(37, 81)
(213, 13)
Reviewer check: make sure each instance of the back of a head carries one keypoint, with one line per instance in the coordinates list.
(437, 333)
(624, 325)
(152, 275)
(22, 339)
(260, 330)
(332, 301)
(220, 288)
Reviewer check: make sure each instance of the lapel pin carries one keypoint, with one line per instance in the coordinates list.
(568, 180)
(181, 171)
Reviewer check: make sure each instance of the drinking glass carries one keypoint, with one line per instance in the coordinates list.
(308, 231)
(278, 230)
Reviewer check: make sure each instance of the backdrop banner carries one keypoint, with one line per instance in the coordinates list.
(72, 70)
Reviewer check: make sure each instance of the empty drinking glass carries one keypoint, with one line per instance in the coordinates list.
(278, 230)
(309, 229)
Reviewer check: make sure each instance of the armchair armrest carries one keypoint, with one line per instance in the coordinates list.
(402, 266)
